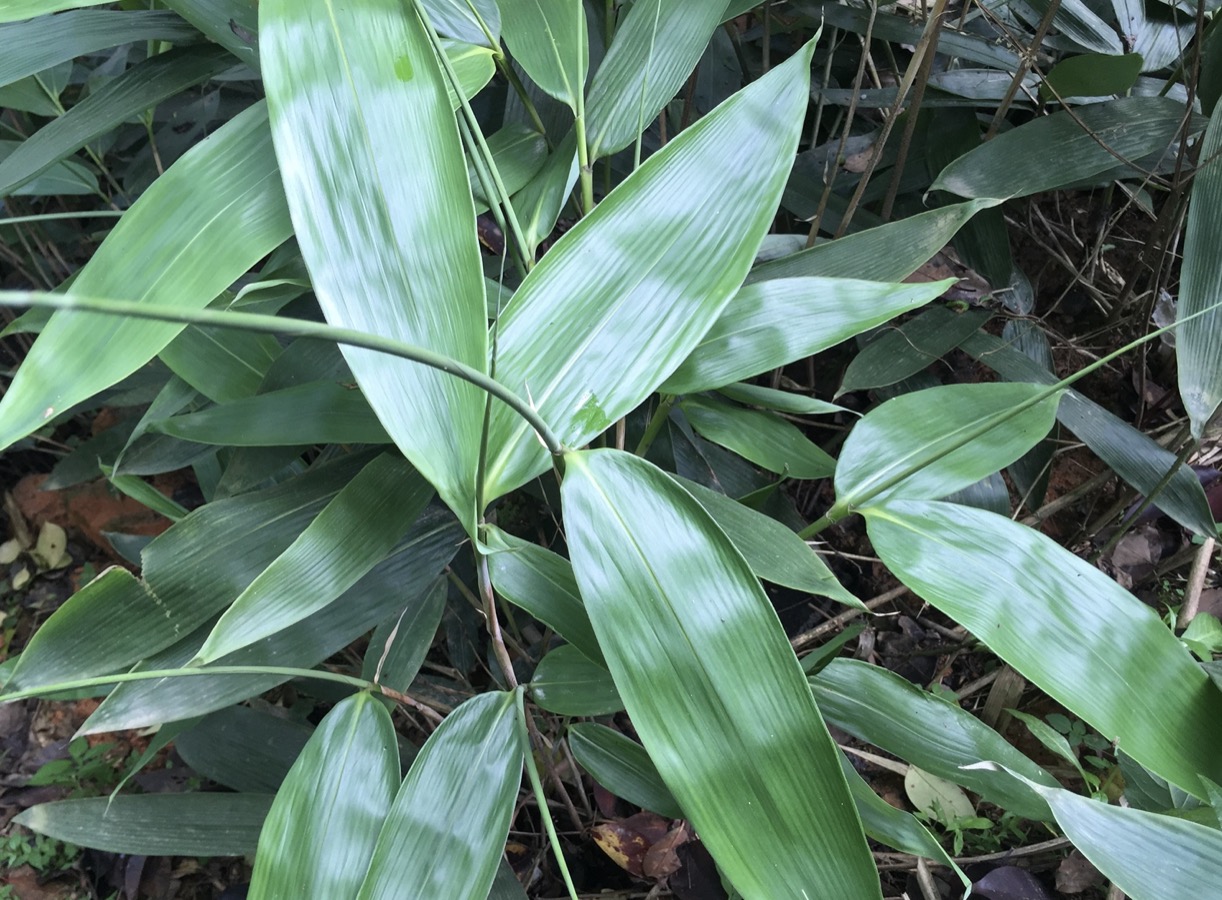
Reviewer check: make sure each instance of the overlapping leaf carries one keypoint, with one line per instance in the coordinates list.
(201, 225)
(621, 299)
(1064, 625)
(710, 682)
(321, 830)
(378, 189)
(548, 39)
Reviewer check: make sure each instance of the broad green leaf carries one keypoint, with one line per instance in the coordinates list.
(656, 46)
(623, 767)
(222, 364)
(155, 824)
(353, 533)
(201, 225)
(1092, 75)
(445, 833)
(1065, 626)
(1085, 144)
(1198, 343)
(906, 446)
(473, 68)
(773, 552)
(320, 833)
(541, 582)
(40, 43)
(762, 437)
(901, 352)
(358, 105)
(91, 634)
(1134, 456)
(398, 583)
(145, 494)
(548, 39)
(890, 712)
(141, 87)
(471, 21)
(319, 412)
(887, 253)
(243, 748)
(1147, 855)
(772, 323)
(622, 298)
(711, 683)
(569, 683)
(38, 93)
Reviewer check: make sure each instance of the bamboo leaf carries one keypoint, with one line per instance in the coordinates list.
(234, 24)
(16, 10)
(906, 446)
(761, 437)
(43, 42)
(890, 712)
(201, 225)
(244, 749)
(155, 824)
(623, 767)
(1065, 626)
(353, 533)
(461, 19)
(656, 46)
(569, 683)
(396, 584)
(1198, 343)
(588, 342)
(899, 353)
(1135, 457)
(772, 323)
(541, 582)
(889, 252)
(446, 831)
(221, 364)
(319, 412)
(141, 87)
(400, 644)
(378, 189)
(1086, 143)
(548, 39)
(1122, 843)
(711, 683)
(321, 830)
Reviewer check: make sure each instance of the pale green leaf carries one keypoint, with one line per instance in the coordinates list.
(1198, 343)
(201, 225)
(548, 39)
(16, 10)
(378, 189)
(353, 533)
(518, 153)
(471, 21)
(622, 298)
(909, 446)
(711, 683)
(321, 830)
(761, 437)
(656, 46)
(445, 833)
(1065, 626)
(772, 323)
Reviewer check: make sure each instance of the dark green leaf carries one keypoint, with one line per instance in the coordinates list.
(569, 683)
(622, 766)
(764, 438)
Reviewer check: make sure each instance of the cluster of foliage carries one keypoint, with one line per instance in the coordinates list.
(294, 304)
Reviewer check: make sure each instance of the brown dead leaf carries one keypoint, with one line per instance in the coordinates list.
(1075, 874)
(662, 859)
(625, 846)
